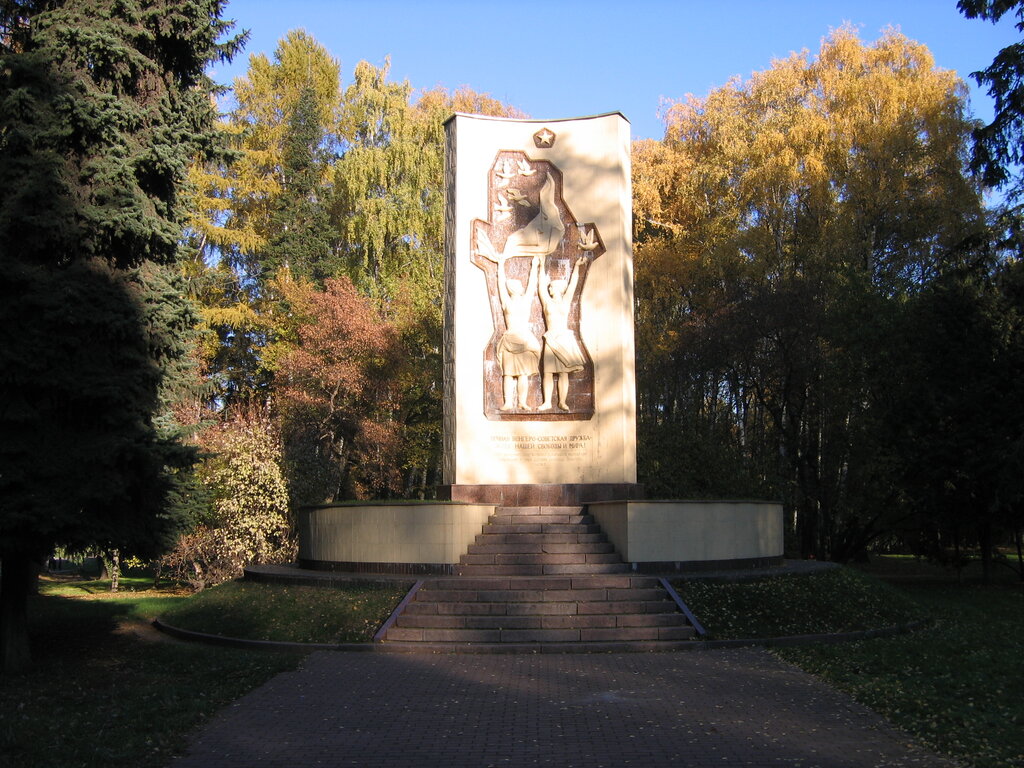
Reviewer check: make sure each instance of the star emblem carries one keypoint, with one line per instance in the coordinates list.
(544, 138)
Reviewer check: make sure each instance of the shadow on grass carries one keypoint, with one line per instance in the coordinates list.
(300, 614)
(957, 684)
(99, 695)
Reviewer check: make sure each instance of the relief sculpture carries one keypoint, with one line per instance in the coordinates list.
(535, 257)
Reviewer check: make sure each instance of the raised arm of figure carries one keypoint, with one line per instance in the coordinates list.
(545, 281)
(570, 290)
(535, 269)
(502, 286)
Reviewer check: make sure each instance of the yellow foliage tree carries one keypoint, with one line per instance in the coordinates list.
(779, 224)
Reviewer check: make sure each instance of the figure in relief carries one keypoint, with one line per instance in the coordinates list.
(518, 348)
(534, 281)
(544, 231)
(562, 353)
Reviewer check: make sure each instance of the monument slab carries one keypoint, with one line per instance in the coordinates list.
(539, 371)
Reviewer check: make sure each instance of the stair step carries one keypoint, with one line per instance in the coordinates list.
(556, 569)
(539, 558)
(539, 519)
(535, 595)
(540, 578)
(542, 539)
(598, 581)
(520, 528)
(541, 621)
(526, 511)
(551, 569)
(541, 547)
(626, 606)
(637, 646)
(545, 608)
(499, 570)
(540, 635)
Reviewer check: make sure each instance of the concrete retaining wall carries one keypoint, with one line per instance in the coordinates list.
(653, 535)
(670, 532)
(394, 533)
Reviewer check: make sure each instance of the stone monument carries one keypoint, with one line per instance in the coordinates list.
(539, 383)
(539, 391)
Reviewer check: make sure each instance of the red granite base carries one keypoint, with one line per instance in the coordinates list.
(542, 495)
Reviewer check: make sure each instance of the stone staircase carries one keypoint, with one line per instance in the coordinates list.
(540, 579)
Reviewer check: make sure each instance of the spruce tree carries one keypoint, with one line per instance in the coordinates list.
(103, 105)
(300, 224)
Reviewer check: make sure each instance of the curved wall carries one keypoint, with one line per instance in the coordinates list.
(666, 535)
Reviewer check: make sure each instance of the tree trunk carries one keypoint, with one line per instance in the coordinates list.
(115, 570)
(985, 540)
(15, 581)
(1020, 553)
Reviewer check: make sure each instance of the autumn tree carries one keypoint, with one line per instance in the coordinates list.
(331, 180)
(781, 225)
(103, 106)
(246, 518)
(263, 206)
(339, 392)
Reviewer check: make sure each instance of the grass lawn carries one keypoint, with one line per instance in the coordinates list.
(106, 690)
(836, 600)
(349, 614)
(958, 684)
(100, 695)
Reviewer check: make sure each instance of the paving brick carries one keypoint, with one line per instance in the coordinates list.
(618, 606)
(421, 608)
(615, 581)
(433, 621)
(474, 559)
(586, 568)
(576, 548)
(659, 606)
(577, 621)
(536, 559)
(518, 528)
(474, 609)
(676, 633)
(739, 707)
(464, 582)
(538, 518)
(504, 622)
(540, 609)
(500, 570)
(462, 635)
(651, 620)
(565, 595)
(636, 594)
(540, 635)
(619, 634)
(405, 633)
(535, 547)
(603, 557)
(576, 528)
(542, 582)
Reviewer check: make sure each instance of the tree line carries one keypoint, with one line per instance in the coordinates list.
(216, 318)
(827, 311)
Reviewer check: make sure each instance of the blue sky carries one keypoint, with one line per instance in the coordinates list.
(566, 58)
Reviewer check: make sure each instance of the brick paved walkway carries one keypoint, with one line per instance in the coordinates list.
(716, 708)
